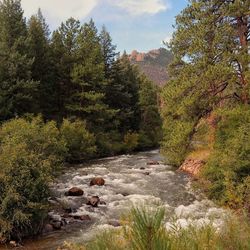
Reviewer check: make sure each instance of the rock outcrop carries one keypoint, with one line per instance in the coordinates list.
(153, 64)
(192, 166)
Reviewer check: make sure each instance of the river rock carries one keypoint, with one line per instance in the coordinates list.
(97, 181)
(147, 173)
(54, 217)
(93, 201)
(75, 191)
(142, 168)
(103, 203)
(56, 224)
(82, 217)
(48, 228)
(153, 163)
(14, 244)
(114, 223)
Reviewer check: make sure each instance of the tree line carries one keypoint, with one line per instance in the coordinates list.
(74, 73)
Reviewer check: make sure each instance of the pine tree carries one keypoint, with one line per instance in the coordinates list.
(150, 120)
(210, 68)
(63, 47)
(39, 49)
(16, 87)
(124, 94)
(108, 51)
(88, 77)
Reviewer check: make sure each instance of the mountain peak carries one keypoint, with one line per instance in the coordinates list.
(153, 63)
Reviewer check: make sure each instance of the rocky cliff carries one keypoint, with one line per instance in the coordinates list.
(153, 63)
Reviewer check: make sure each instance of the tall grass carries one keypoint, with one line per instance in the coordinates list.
(145, 229)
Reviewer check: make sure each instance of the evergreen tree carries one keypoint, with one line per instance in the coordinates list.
(63, 47)
(108, 51)
(150, 120)
(88, 77)
(209, 69)
(39, 49)
(16, 87)
(124, 94)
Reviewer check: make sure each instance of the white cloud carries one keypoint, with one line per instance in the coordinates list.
(59, 10)
(140, 7)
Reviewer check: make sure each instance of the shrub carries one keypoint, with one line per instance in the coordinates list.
(145, 230)
(80, 142)
(39, 137)
(131, 141)
(228, 168)
(110, 143)
(30, 153)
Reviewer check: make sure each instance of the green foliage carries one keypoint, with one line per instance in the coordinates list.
(110, 143)
(30, 153)
(123, 95)
(17, 88)
(131, 141)
(228, 168)
(80, 143)
(150, 121)
(145, 230)
(39, 50)
(88, 77)
(176, 139)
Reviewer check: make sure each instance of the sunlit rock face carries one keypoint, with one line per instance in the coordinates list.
(153, 64)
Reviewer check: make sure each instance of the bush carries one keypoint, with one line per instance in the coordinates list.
(30, 153)
(228, 168)
(80, 142)
(131, 141)
(110, 143)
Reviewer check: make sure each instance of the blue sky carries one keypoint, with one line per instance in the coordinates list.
(133, 24)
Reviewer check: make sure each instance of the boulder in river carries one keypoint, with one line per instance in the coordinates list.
(82, 217)
(153, 163)
(56, 224)
(97, 181)
(93, 201)
(48, 228)
(75, 191)
(114, 223)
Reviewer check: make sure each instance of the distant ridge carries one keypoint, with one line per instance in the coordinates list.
(153, 63)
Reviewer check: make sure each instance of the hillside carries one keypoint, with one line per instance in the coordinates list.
(153, 64)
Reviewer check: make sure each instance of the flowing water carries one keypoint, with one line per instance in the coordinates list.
(129, 181)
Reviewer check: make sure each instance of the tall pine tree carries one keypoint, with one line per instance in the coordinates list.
(39, 49)
(88, 76)
(16, 85)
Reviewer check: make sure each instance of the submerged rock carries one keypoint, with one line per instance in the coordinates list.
(93, 201)
(82, 217)
(75, 191)
(97, 181)
(153, 163)
(114, 223)
(56, 224)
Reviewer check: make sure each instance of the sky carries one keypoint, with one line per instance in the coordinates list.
(133, 24)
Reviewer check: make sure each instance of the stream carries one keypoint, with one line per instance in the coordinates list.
(129, 181)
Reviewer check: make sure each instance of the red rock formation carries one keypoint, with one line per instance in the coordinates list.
(192, 166)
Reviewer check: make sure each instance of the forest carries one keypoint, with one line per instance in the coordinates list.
(65, 96)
